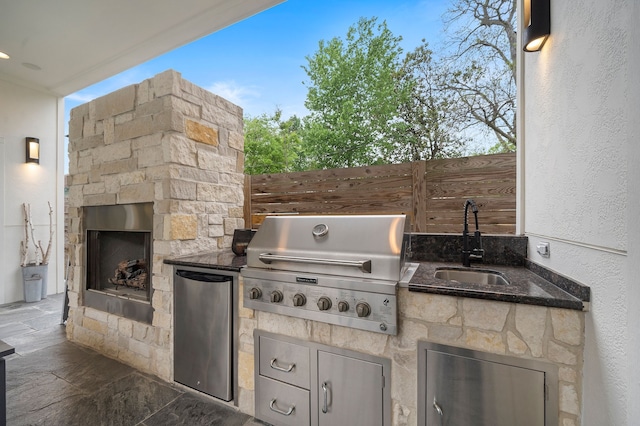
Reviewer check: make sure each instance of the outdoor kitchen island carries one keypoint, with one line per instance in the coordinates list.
(537, 322)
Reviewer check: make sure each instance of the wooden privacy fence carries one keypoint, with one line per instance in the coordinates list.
(431, 192)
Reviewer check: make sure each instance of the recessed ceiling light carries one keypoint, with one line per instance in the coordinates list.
(31, 66)
(4, 55)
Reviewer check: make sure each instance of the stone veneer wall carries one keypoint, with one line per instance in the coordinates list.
(522, 331)
(164, 141)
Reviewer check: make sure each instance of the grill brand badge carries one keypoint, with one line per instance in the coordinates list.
(320, 230)
(306, 280)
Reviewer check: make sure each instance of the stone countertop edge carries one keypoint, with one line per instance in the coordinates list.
(6, 349)
(222, 261)
(524, 287)
(533, 284)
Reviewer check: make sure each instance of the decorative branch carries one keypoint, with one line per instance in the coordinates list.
(38, 250)
(24, 245)
(47, 254)
(23, 254)
(41, 256)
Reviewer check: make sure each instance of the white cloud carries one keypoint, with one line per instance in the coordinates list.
(234, 92)
(80, 97)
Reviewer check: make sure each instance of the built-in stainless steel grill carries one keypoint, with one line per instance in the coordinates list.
(336, 269)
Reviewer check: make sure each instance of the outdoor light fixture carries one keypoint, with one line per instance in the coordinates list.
(537, 19)
(33, 150)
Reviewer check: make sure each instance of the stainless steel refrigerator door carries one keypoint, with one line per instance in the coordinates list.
(202, 333)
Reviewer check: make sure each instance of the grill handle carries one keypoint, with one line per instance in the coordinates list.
(363, 265)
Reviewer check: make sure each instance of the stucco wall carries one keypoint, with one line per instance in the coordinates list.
(632, 277)
(25, 112)
(580, 168)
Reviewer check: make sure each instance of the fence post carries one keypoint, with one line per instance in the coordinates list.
(247, 202)
(419, 196)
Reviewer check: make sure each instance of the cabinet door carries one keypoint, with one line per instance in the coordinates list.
(463, 391)
(350, 391)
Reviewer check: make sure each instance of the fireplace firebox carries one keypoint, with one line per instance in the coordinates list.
(117, 263)
(118, 259)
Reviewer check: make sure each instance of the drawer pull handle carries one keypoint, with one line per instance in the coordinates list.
(272, 406)
(277, 367)
(325, 392)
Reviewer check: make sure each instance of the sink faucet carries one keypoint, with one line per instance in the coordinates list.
(477, 253)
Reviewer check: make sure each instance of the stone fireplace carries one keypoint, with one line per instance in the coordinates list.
(155, 171)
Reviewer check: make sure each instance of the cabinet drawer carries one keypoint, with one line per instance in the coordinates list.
(281, 404)
(284, 361)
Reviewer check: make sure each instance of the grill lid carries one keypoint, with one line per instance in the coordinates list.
(362, 246)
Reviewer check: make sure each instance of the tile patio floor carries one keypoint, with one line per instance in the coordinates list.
(51, 381)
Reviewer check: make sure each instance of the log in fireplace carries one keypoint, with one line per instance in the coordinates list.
(118, 259)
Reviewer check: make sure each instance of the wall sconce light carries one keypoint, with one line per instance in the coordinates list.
(537, 19)
(33, 150)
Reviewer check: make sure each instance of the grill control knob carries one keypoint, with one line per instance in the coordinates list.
(276, 296)
(299, 299)
(343, 306)
(255, 293)
(363, 309)
(324, 303)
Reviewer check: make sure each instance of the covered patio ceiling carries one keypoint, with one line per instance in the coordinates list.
(63, 46)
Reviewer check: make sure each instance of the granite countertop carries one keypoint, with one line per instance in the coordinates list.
(223, 261)
(524, 286)
(543, 289)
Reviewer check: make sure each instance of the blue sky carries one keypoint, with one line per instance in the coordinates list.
(257, 63)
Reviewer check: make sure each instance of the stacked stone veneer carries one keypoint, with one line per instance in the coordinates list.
(168, 142)
(522, 331)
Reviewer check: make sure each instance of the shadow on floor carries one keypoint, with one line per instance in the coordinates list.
(51, 381)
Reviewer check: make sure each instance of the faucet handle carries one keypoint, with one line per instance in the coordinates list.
(477, 255)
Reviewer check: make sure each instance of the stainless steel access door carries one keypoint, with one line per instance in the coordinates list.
(463, 391)
(203, 332)
(350, 391)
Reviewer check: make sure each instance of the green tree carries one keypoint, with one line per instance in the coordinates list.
(353, 96)
(429, 120)
(273, 145)
(481, 73)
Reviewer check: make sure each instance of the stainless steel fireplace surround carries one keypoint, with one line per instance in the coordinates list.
(117, 233)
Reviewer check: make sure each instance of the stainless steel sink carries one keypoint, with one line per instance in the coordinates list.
(483, 276)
